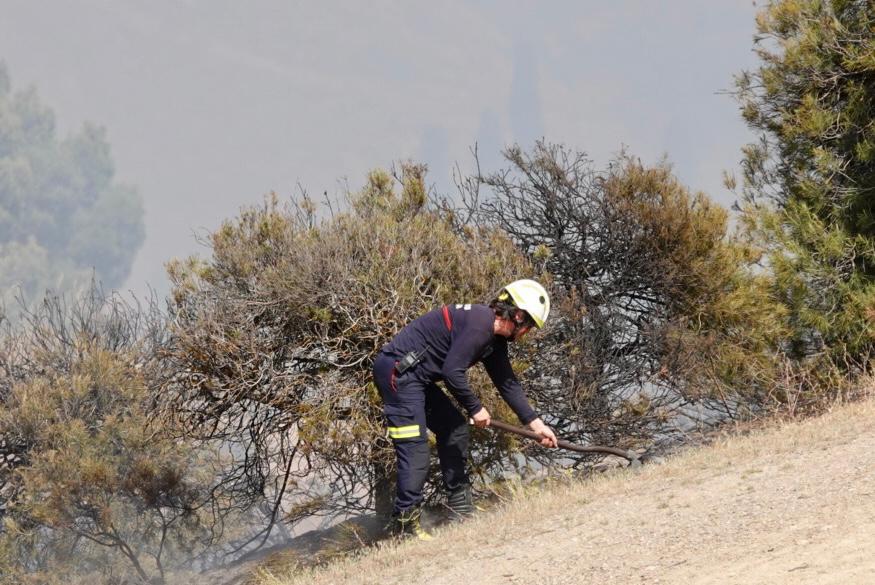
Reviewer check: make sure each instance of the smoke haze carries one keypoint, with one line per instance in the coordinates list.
(209, 105)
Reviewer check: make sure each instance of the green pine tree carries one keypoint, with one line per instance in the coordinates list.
(63, 218)
(809, 181)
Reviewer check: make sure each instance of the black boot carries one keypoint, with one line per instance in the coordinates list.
(408, 523)
(461, 503)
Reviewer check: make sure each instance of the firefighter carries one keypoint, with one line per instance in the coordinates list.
(440, 346)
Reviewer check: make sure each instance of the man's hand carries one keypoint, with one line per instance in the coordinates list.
(481, 418)
(548, 439)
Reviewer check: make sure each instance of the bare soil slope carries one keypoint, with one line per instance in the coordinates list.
(790, 504)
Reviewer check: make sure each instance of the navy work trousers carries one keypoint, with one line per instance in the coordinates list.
(411, 406)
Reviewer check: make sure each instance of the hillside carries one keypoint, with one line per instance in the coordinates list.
(794, 503)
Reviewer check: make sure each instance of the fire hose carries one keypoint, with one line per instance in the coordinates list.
(631, 456)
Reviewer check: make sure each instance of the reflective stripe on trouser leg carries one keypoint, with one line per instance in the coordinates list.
(406, 432)
(404, 409)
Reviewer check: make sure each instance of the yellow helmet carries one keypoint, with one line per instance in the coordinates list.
(529, 296)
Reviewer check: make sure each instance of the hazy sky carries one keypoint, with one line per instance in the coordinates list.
(211, 104)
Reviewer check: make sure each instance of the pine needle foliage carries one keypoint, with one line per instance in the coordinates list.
(809, 181)
(89, 489)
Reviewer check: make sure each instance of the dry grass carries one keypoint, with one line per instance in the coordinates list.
(700, 506)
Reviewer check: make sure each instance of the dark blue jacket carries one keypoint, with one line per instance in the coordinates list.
(454, 338)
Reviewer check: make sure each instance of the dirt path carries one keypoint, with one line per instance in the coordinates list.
(794, 504)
